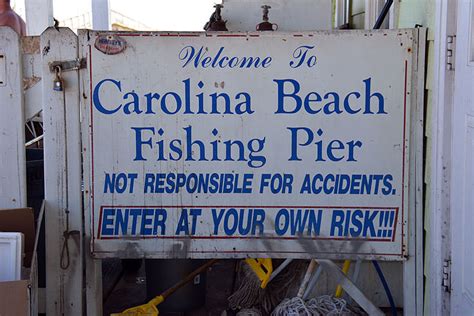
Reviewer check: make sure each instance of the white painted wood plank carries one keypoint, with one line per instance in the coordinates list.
(462, 168)
(340, 13)
(413, 267)
(62, 177)
(39, 16)
(93, 266)
(100, 14)
(12, 130)
(419, 163)
(440, 172)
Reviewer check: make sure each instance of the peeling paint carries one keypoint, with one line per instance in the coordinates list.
(29, 82)
(30, 44)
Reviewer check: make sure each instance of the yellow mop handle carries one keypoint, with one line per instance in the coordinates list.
(263, 269)
(157, 300)
(345, 269)
(150, 307)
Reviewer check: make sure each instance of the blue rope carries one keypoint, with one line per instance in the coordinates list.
(385, 286)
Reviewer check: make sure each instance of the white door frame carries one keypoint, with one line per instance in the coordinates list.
(440, 157)
(462, 174)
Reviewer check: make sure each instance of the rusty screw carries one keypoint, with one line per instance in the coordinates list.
(265, 12)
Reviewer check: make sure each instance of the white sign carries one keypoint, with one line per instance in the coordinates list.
(248, 144)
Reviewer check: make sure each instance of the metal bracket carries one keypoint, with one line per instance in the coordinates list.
(450, 51)
(68, 65)
(447, 275)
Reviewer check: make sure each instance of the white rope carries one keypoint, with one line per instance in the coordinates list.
(322, 305)
(292, 307)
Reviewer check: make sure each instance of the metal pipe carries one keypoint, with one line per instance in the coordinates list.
(279, 269)
(347, 11)
(34, 140)
(383, 14)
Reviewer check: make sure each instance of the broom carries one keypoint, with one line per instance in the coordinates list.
(150, 309)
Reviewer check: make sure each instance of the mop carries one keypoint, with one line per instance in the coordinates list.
(256, 275)
(262, 268)
(250, 294)
(150, 309)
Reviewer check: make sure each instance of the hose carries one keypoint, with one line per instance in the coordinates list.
(386, 288)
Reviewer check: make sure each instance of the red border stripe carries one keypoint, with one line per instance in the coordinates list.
(384, 208)
(243, 35)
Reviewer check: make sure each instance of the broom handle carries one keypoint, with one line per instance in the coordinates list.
(188, 278)
(308, 274)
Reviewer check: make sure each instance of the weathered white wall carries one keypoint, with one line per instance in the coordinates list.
(295, 15)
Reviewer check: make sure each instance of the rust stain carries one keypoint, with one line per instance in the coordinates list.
(46, 49)
(29, 82)
(30, 44)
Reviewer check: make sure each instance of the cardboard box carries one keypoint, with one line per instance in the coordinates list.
(21, 220)
(15, 298)
(19, 298)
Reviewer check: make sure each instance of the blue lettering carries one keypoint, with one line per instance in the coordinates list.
(282, 221)
(337, 223)
(107, 222)
(147, 219)
(282, 95)
(299, 55)
(139, 142)
(369, 224)
(294, 140)
(369, 96)
(357, 223)
(96, 99)
(216, 219)
(183, 225)
(230, 221)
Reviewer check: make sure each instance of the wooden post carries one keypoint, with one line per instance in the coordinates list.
(39, 16)
(62, 169)
(100, 15)
(12, 122)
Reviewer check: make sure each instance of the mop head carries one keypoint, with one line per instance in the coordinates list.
(249, 312)
(250, 295)
(322, 305)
